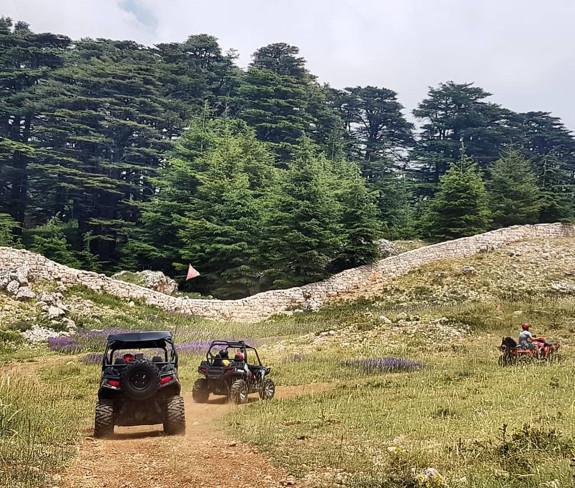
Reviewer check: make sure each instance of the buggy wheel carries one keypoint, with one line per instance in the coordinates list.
(104, 418)
(267, 390)
(239, 392)
(175, 417)
(200, 391)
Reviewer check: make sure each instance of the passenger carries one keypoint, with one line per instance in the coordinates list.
(224, 355)
(128, 357)
(240, 361)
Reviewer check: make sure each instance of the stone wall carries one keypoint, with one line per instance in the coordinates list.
(345, 285)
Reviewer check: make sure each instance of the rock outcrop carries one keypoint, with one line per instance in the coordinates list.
(153, 280)
(348, 284)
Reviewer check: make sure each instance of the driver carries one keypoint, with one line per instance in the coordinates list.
(526, 338)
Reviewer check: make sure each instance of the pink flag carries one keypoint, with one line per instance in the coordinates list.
(192, 273)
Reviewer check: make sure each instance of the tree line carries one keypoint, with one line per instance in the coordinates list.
(115, 155)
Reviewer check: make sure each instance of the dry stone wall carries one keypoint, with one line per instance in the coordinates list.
(347, 284)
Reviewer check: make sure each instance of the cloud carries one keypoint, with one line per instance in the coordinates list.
(520, 50)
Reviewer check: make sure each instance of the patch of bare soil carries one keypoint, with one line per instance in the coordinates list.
(204, 457)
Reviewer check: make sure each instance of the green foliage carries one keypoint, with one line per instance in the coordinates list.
(8, 226)
(358, 221)
(513, 192)
(301, 231)
(221, 232)
(377, 129)
(50, 240)
(460, 207)
(97, 133)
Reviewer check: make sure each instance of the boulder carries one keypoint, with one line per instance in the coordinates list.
(13, 287)
(4, 280)
(55, 312)
(25, 293)
(386, 248)
(21, 275)
(40, 334)
(153, 280)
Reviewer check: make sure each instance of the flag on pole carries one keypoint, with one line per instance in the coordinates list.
(192, 273)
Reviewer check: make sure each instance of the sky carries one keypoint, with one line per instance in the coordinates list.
(521, 51)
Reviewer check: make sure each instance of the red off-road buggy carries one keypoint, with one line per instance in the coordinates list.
(513, 353)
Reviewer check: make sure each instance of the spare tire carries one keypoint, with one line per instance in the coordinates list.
(140, 380)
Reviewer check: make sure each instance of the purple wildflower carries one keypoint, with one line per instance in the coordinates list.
(66, 344)
(92, 358)
(383, 365)
(193, 347)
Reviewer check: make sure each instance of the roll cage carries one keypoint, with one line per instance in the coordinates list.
(140, 340)
(239, 345)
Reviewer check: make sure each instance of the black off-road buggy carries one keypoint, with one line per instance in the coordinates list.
(236, 379)
(139, 384)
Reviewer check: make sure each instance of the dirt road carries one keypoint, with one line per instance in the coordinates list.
(143, 457)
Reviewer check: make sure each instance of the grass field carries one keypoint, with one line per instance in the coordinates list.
(475, 423)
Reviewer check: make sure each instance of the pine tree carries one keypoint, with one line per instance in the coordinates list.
(26, 59)
(454, 114)
(302, 234)
(8, 227)
(378, 132)
(207, 209)
(50, 241)
(513, 192)
(396, 207)
(358, 218)
(222, 230)
(460, 207)
(557, 201)
(104, 120)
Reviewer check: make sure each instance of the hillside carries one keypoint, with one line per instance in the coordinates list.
(398, 386)
(348, 285)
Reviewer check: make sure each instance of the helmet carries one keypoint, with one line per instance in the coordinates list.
(223, 354)
(239, 356)
(128, 357)
(525, 326)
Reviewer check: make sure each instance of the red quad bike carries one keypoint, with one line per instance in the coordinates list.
(512, 353)
(233, 379)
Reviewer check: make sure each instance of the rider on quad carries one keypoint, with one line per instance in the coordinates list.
(528, 341)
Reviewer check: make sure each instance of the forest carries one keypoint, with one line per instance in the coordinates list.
(118, 156)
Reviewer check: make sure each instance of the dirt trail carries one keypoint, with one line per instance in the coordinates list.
(204, 457)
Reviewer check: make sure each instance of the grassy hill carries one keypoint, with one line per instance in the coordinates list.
(447, 405)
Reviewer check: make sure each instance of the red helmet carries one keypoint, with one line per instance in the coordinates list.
(239, 356)
(128, 357)
(525, 326)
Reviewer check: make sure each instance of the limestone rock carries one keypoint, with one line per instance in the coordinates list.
(55, 312)
(13, 287)
(386, 248)
(562, 287)
(25, 293)
(153, 280)
(40, 334)
(69, 324)
(21, 275)
(4, 280)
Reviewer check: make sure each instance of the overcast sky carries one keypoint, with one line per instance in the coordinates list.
(522, 51)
